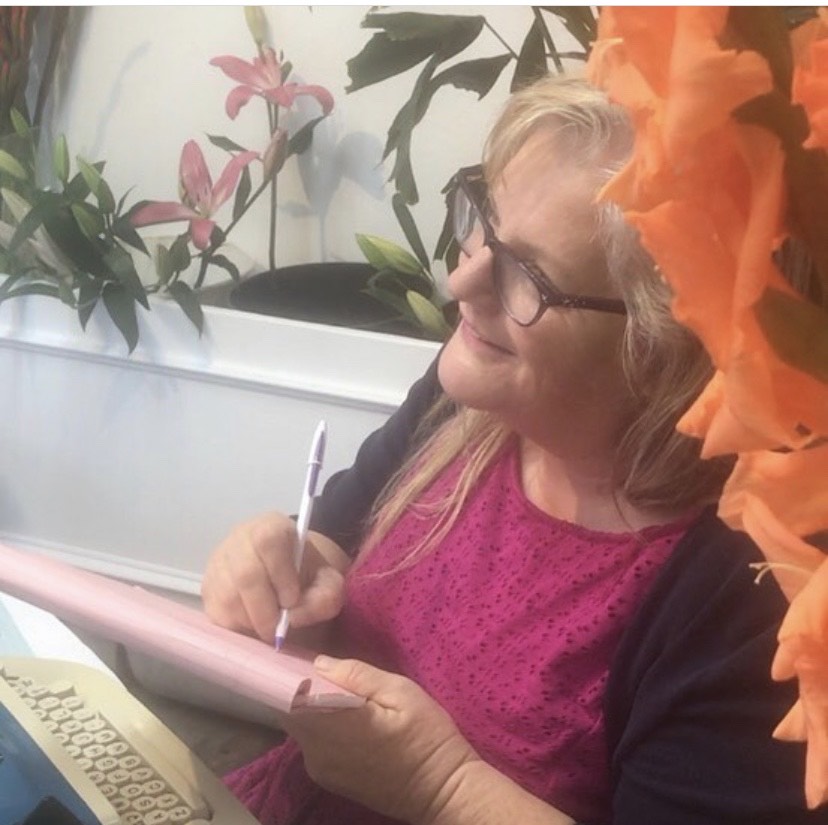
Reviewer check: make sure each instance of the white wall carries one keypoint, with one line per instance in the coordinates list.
(139, 469)
(135, 84)
(139, 466)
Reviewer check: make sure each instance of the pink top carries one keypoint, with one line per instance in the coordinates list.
(510, 624)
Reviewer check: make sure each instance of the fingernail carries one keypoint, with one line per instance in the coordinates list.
(323, 663)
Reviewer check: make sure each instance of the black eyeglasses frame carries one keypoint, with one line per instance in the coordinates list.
(471, 181)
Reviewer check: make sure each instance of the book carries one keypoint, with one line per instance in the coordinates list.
(172, 632)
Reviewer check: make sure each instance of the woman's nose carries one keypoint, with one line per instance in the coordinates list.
(472, 278)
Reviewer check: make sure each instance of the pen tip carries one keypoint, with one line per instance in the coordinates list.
(279, 643)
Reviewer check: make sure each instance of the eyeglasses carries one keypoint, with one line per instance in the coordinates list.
(524, 291)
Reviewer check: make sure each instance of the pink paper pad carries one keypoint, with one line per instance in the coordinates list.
(171, 632)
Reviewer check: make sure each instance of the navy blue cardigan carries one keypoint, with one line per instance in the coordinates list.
(689, 705)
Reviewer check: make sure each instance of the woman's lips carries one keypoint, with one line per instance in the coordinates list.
(478, 341)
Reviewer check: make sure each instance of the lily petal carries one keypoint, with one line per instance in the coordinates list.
(195, 178)
(161, 212)
(239, 70)
(229, 178)
(287, 94)
(201, 229)
(237, 98)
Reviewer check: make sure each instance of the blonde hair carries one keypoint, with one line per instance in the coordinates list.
(664, 364)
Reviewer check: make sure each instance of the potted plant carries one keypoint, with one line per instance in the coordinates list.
(404, 40)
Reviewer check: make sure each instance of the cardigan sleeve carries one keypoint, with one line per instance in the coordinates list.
(340, 510)
(690, 706)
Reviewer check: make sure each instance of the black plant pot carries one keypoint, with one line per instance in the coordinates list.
(322, 293)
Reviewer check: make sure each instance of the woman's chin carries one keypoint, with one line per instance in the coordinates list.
(468, 379)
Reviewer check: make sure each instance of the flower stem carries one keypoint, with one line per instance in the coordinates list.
(208, 253)
(497, 35)
(273, 113)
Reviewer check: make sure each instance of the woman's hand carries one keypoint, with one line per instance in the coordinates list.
(400, 754)
(251, 576)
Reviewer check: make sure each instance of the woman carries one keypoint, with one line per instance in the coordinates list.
(557, 628)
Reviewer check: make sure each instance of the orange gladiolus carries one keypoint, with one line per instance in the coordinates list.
(803, 653)
(707, 193)
(792, 484)
(810, 83)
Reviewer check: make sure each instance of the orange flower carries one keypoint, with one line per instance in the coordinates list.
(810, 82)
(803, 653)
(792, 485)
(789, 558)
(660, 63)
(708, 195)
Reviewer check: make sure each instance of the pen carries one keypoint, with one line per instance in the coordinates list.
(317, 453)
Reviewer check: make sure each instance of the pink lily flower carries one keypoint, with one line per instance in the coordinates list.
(263, 77)
(200, 199)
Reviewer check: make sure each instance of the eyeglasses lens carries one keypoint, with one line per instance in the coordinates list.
(516, 290)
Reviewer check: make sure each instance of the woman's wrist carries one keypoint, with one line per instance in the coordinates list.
(478, 794)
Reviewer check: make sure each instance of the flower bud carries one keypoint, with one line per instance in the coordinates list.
(276, 154)
(256, 23)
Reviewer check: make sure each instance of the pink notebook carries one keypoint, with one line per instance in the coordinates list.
(171, 632)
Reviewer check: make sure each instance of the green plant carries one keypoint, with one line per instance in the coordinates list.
(407, 284)
(70, 241)
(265, 77)
(404, 40)
(73, 241)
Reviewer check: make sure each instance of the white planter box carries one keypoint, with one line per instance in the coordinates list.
(137, 466)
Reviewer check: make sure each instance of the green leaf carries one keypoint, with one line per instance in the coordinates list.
(180, 253)
(382, 58)
(163, 263)
(121, 308)
(452, 31)
(531, 62)
(797, 330)
(391, 299)
(406, 39)
(302, 138)
(446, 242)
(242, 193)
(473, 75)
(19, 123)
(122, 200)
(579, 21)
(429, 316)
(89, 220)
(7, 285)
(88, 294)
(227, 265)
(106, 200)
(77, 189)
(225, 143)
(187, 300)
(409, 228)
(48, 290)
(29, 223)
(10, 165)
(60, 159)
(399, 133)
(66, 294)
(122, 267)
(97, 185)
(83, 253)
(383, 254)
(16, 203)
(123, 229)
(91, 176)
